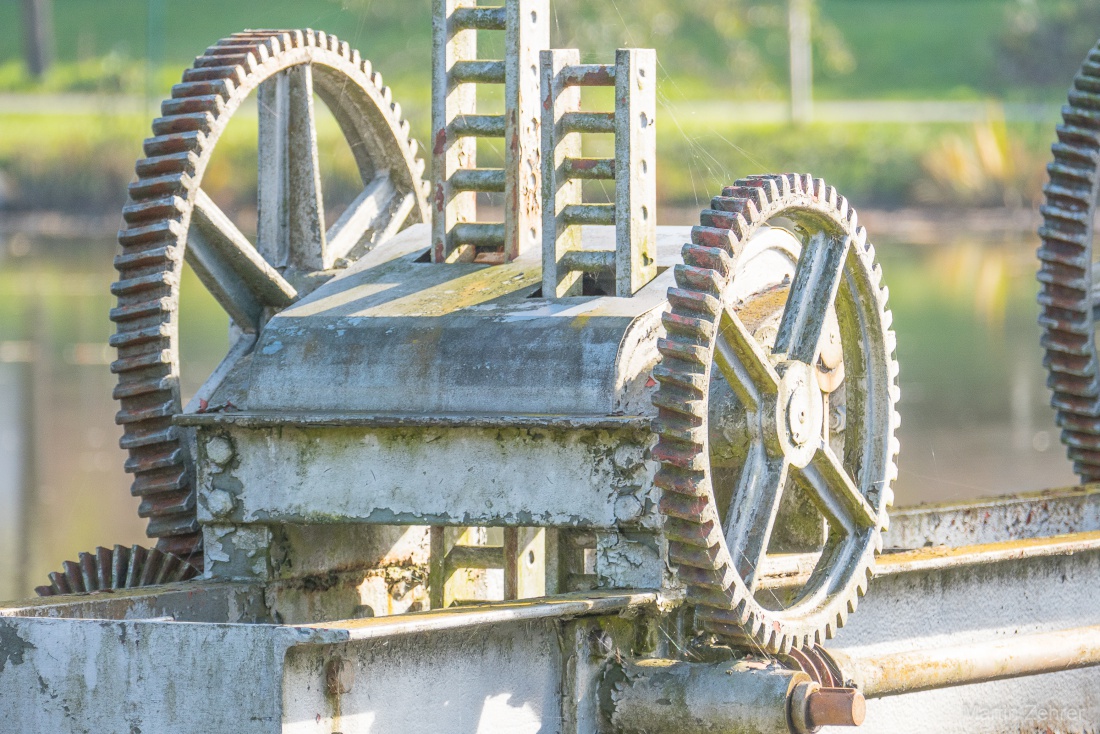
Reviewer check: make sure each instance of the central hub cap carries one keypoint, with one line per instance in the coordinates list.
(798, 415)
(800, 412)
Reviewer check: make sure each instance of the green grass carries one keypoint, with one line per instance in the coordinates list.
(938, 49)
(935, 49)
(398, 33)
(84, 163)
(916, 49)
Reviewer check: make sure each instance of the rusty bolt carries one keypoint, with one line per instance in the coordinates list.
(836, 707)
(813, 706)
(339, 676)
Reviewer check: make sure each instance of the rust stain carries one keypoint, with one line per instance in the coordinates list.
(585, 164)
(601, 77)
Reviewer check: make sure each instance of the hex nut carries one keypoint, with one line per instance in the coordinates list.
(219, 503)
(219, 450)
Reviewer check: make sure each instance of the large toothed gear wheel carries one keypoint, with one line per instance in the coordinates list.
(727, 370)
(170, 217)
(1068, 295)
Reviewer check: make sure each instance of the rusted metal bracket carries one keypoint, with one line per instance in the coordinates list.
(633, 169)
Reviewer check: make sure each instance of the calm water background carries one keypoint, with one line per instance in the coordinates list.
(975, 420)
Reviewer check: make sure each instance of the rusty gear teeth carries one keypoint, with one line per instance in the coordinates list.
(698, 548)
(1067, 271)
(155, 237)
(120, 568)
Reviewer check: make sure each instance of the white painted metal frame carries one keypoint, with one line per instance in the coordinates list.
(634, 212)
(457, 233)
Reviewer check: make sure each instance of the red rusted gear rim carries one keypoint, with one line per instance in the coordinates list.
(155, 237)
(1067, 270)
(697, 543)
(120, 568)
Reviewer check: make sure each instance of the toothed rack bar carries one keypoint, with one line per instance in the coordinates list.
(457, 180)
(634, 261)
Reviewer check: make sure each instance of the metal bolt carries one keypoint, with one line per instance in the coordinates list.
(219, 503)
(813, 706)
(219, 450)
(797, 414)
(339, 676)
(838, 419)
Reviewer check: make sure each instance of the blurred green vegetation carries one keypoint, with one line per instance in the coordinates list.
(83, 163)
(956, 165)
(865, 48)
(710, 51)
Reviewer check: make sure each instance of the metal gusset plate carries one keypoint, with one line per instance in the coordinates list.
(1068, 272)
(770, 390)
(170, 218)
(118, 568)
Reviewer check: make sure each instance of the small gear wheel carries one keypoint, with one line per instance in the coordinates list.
(1068, 272)
(722, 525)
(120, 568)
(170, 218)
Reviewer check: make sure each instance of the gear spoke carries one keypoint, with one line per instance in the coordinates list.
(814, 289)
(836, 495)
(231, 268)
(241, 348)
(753, 511)
(378, 212)
(272, 101)
(291, 208)
(305, 207)
(743, 362)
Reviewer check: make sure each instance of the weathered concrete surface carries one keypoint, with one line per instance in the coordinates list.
(191, 601)
(493, 669)
(532, 666)
(126, 676)
(1032, 515)
(433, 476)
(403, 336)
(504, 679)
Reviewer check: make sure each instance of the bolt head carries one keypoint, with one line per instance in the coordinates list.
(219, 503)
(339, 676)
(219, 450)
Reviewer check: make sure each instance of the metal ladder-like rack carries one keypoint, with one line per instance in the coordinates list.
(541, 180)
(529, 565)
(633, 169)
(457, 234)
